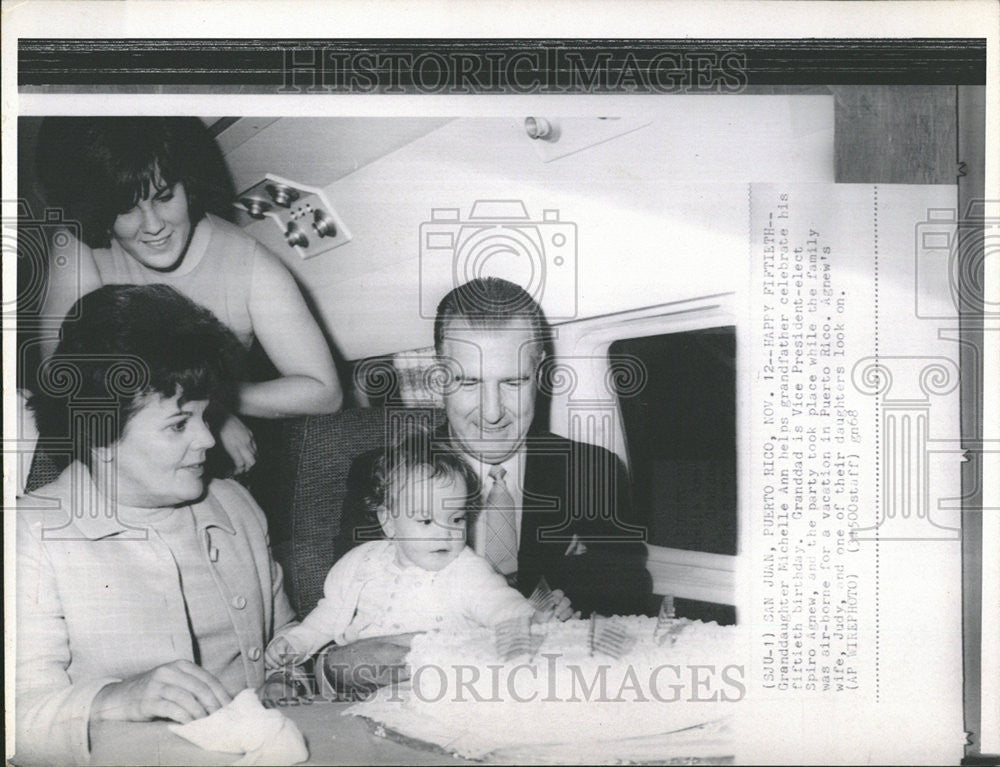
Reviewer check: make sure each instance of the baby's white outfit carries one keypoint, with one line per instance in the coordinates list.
(368, 593)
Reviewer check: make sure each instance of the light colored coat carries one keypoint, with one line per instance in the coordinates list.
(99, 602)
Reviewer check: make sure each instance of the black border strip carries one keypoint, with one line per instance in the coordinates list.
(516, 66)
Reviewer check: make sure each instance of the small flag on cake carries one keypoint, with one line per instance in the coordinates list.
(667, 624)
(609, 637)
(513, 637)
(542, 598)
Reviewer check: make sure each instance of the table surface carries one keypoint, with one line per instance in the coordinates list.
(331, 738)
(334, 739)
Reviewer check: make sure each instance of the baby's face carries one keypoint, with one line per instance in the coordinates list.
(427, 521)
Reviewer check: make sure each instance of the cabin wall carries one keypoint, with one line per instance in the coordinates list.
(642, 224)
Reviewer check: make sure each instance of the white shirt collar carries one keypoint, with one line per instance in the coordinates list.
(514, 476)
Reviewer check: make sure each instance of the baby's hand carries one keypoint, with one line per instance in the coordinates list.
(559, 608)
(280, 652)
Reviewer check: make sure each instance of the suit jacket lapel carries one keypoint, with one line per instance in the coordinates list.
(546, 495)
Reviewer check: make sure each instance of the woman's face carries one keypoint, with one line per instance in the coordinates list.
(157, 230)
(160, 458)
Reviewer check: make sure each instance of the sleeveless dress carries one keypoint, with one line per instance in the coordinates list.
(216, 273)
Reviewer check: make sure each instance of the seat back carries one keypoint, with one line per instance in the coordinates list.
(46, 466)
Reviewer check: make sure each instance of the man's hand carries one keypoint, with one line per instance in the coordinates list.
(366, 664)
(559, 608)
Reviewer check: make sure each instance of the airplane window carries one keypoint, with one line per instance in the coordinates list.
(680, 432)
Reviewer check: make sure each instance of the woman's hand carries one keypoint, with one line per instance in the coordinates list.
(178, 690)
(560, 609)
(237, 438)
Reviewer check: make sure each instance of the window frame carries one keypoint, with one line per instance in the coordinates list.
(583, 345)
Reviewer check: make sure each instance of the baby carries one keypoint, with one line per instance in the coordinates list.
(422, 577)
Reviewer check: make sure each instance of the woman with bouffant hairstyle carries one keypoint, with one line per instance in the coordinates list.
(144, 590)
(151, 195)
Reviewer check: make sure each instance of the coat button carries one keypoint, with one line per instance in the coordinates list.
(239, 602)
(254, 653)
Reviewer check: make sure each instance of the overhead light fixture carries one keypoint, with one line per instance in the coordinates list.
(538, 128)
(296, 209)
(563, 136)
(255, 206)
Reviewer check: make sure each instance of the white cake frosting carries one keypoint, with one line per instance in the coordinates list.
(466, 699)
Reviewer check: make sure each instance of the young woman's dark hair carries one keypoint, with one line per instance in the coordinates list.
(131, 341)
(97, 168)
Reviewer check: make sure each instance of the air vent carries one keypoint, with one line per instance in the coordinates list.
(308, 222)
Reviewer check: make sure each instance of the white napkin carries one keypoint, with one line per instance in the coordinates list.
(244, 726)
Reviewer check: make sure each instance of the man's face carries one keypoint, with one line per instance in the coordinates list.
(491, 400)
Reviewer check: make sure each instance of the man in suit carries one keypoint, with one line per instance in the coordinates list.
(551, 507)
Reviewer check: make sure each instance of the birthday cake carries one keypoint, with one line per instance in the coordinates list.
(615, 689)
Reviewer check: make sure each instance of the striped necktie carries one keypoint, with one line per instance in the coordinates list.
(499, 525)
